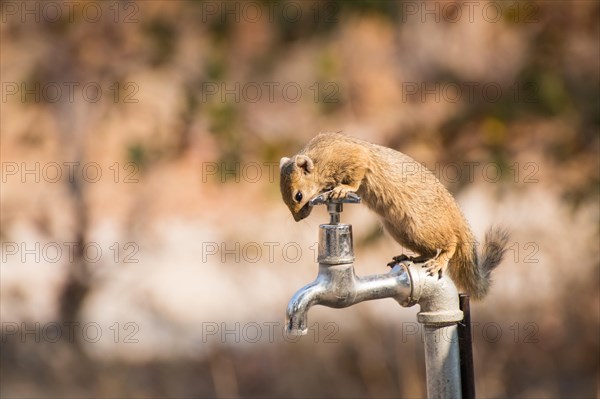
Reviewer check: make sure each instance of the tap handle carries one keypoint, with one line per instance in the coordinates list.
(334, 206)
(323, 199)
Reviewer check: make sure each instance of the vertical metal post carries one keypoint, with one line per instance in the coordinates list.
(466, 349)
(441, 361)
(440, 313)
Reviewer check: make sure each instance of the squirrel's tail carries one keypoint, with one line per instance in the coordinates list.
(475, 276)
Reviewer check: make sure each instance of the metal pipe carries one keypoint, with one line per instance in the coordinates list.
(442, 361)
(440, 313)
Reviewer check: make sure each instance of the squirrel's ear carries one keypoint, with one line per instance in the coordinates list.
(304, 162)
(283, 161)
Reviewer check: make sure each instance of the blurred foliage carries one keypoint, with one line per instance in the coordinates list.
(390, 9)
(161, 35)
(548, 91)
(224, 125)
(137, 154)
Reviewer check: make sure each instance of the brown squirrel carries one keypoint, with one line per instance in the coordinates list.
(416, 209)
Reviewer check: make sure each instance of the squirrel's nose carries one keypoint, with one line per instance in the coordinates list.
(303, 212)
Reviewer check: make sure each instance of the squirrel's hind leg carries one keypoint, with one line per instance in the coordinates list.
(439, 263)
(434, 265)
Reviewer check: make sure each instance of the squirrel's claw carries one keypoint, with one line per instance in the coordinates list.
(398, 259)
(435, 265)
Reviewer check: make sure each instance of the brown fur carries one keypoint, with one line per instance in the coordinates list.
(416, 209)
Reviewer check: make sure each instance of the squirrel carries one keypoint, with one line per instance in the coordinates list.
(415, 207)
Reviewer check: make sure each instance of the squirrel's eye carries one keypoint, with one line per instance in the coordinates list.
(298, 196)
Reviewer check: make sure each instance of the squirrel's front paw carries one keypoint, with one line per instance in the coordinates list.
(339, 192)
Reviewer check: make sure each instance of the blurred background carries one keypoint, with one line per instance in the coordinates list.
(146, 251)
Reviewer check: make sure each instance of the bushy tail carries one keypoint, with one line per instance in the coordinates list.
(490, 257)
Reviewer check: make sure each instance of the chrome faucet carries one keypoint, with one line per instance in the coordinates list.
(337, 286)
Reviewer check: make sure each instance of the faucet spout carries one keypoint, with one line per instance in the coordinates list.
(298, 306)
(337, 286)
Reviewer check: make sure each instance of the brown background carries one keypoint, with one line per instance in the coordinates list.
(197, 263)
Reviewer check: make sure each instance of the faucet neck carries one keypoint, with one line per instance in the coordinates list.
(335, 244)
(334, 209)
(334, 206)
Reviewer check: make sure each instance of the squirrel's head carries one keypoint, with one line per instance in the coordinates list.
(298, 184)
